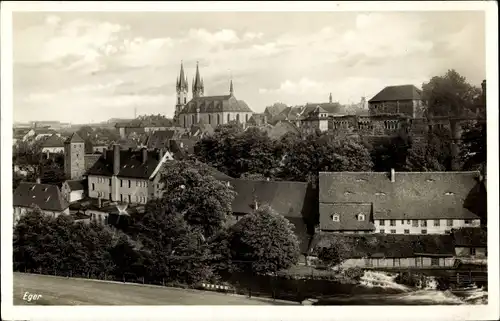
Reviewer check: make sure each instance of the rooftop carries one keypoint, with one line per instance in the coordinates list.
(401, 92)
(45, 196)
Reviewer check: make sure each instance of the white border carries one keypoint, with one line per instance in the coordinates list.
(490, 312)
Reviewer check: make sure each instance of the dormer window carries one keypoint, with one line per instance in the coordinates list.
(361, 217)
(347, 193)
(380, 194)
(449, 193)
(430, 180)
(336, 218)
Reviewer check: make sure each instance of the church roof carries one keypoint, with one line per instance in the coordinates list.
(213, 104)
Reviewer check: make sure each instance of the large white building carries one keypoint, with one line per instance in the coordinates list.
(401, 202)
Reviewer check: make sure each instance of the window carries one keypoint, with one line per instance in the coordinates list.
(361, 217)
(382, 223)
(93, 187)
(407, 231)
(408, 222)
(130, 198)
(424, 231)
(193, 119)
(437, 223)
(121, 197)
(382, 231)
(335, 218)
(393, 231)
(228, 118)
(415, 223)
(449, 222)
(467, 221)
(129, 184)
(209, 119)
(121, 183)
(110, 182)
(434, 261)
(110, 196)
(218, 119)
(237, 118)
(185, 99)
(396, 262)
(393, 222)
(178, 100)
(423, 223)
(402, 222)
(472, 251)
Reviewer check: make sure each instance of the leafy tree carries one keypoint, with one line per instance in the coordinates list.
(431, 154)
(473, 146)
(190, 189)
(329, 256)
(264, 242)
(449, 94)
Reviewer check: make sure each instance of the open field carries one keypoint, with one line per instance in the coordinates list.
(74, 291)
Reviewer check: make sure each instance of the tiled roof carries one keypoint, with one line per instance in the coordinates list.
(74, 138)
(212, 104)
(53, 141)
(289, 113)
(76, 185)
(349, 219)
(403, 92)
(330, 108)
(388, 246)
(290, 199)
(131, 164)
(45, 196)
(160, 138)
(201, 129)
(90, 160)
(470, 236)
(413, 195)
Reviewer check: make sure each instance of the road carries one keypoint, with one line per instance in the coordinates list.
(74, 291)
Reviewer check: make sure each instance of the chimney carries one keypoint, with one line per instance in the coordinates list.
(256, 205)
(99, 202)
(160, 154)
(116, 159)
(38, 181)
(393, 175)
(144, 155)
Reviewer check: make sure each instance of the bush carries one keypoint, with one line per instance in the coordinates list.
(354, 273)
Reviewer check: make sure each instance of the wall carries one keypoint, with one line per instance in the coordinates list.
(99, 186)
(393, 107)
(71, 196)
(186, 120)
(397, 263)
(99, 149)
(402, 225)
(74, 160)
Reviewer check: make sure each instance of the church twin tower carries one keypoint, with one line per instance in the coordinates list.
(182, 88)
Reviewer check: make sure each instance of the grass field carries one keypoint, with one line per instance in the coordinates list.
(74, 291)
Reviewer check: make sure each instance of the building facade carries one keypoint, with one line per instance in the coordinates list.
(402, 99)
(74, 157)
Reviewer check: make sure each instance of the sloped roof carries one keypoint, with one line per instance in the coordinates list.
(348, 217)
(213, 104)
(470, 236)
(289, 113)
(45, 196)
(160, 138)
(74, 138)
(131, 164)
(330, 108)
(290, 199)
(388, 245)
(201, 129)
(402, 92)
(53, 141)
(75, 185)
(280, 129)
(413, 195)
(39, 131)
(274, 110)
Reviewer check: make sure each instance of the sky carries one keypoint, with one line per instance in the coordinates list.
(88, 67)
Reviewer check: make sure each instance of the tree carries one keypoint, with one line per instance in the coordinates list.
(307, 156)
(329, 256)
(473, 146)
(264, 242)
(190, 189)
(449, 95)
(431, 154)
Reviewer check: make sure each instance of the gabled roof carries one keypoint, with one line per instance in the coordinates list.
(330, 108)
(201, 129)
(290, 199)
(131, 164)
(348, 217)
(74, 138)
(388, 245)
(402, 92)
(470, 237)
(212, 104)
(75, 185)
(413, 195)
(53, 141)
(47, 197)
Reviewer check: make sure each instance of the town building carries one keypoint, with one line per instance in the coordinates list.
(53, 145)
(126, 176)
(401, 99)
(45, 197)
(74, 157)
(398, 203)
(144, 125)
(73, 190)
(470, 243)
(210, 110)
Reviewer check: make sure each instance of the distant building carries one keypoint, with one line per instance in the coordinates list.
(146, 125)
(73, 190)
(53, 145)
(74, 157)
(399, 203)
(210, 110)
(48, 198)
(402, 99)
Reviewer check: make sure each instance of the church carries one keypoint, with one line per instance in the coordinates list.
(212, 110)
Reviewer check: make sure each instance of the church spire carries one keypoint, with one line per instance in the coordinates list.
(330, 98)
(182, 83)
(231, 89)
(197, 84)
